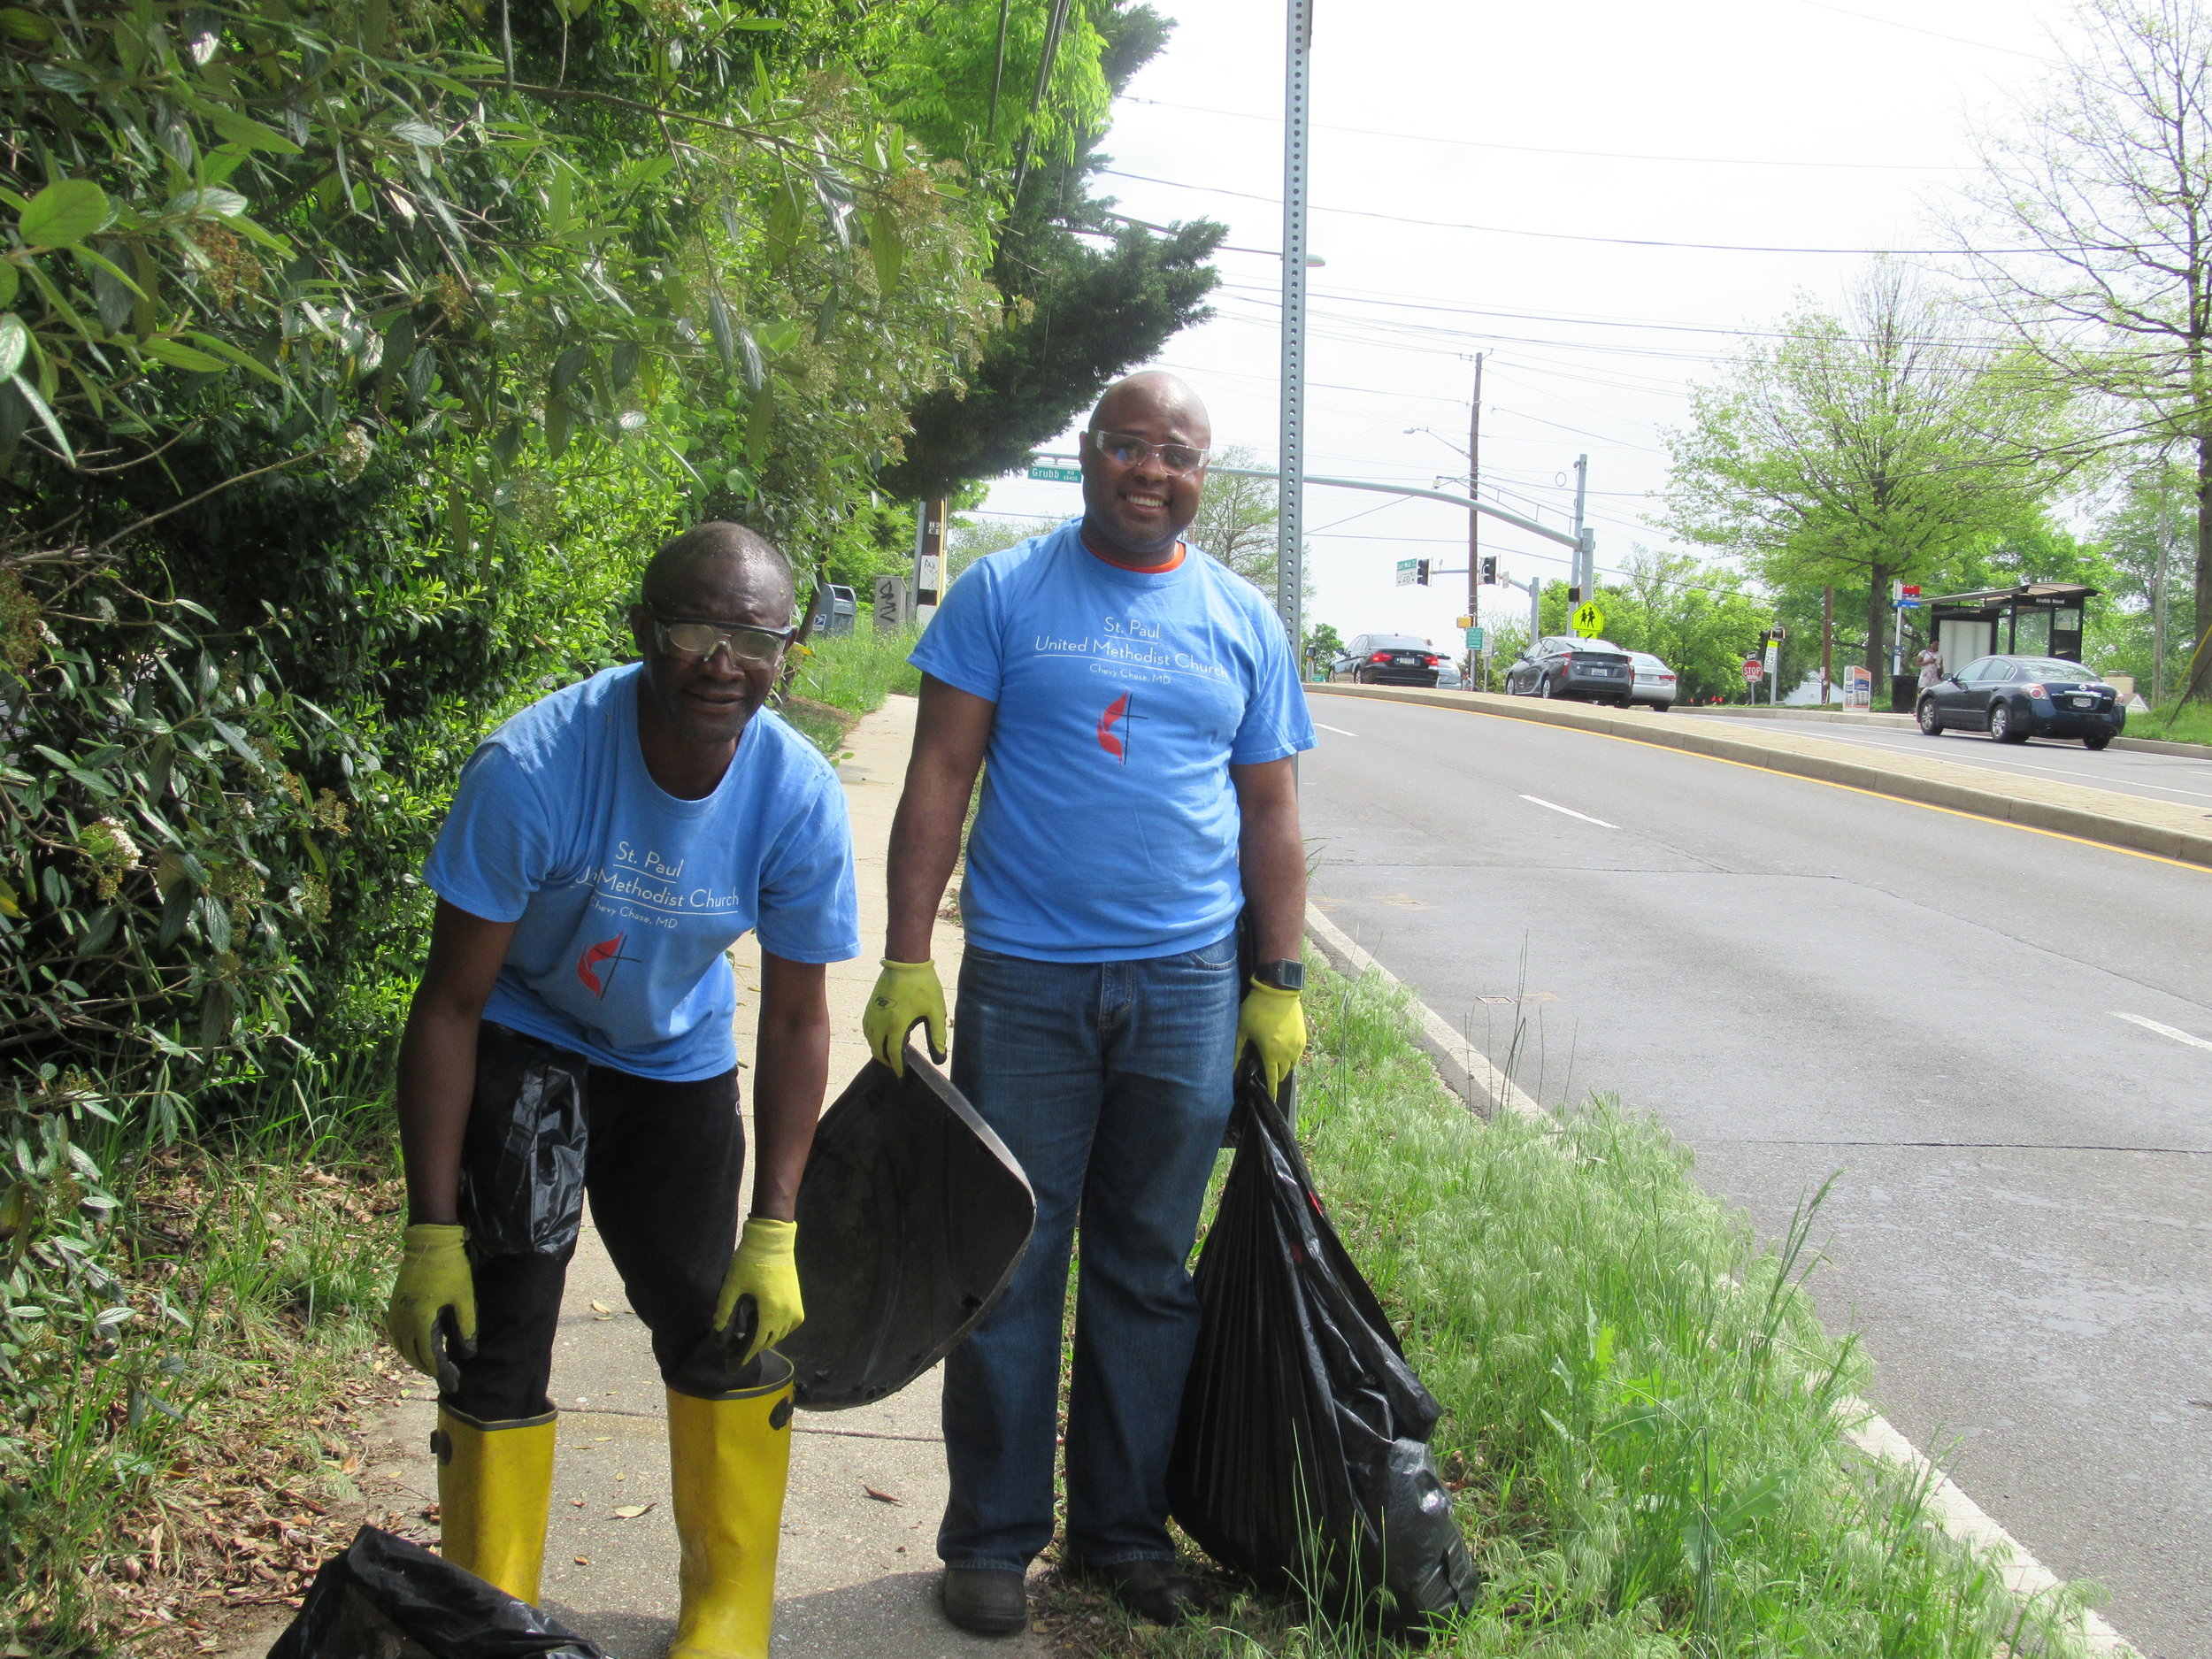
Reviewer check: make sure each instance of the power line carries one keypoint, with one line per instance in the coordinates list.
(1914, 28)
(1591, 155)
(1558, 236)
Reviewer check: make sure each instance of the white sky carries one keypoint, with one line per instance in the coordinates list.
(1775, 85)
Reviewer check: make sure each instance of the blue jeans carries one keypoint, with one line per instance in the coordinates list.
(1109, 1081)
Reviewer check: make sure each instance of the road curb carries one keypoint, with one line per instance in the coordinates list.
(1866, 1429)
(2111, 828)
(1906, 723)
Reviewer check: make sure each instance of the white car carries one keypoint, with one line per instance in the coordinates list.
(1654, 682)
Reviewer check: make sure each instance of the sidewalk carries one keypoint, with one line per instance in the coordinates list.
(858, 1569)
(2163, 828)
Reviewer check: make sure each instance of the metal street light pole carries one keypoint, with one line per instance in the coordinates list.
(1474, 521)
(1290, 546)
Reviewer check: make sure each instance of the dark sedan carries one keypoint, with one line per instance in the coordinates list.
(1591, 669)
(1388, 659)
(2016, 698)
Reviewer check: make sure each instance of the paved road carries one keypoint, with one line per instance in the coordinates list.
(1800, 979)
(2182, 778)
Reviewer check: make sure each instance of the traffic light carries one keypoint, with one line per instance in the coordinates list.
(1574, 594)
(1421, 579)
(1490, 569)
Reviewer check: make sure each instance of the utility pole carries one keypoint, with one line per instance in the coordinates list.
(1827, 640)
(1290, 547)
(1584, 550)
(1474, 520)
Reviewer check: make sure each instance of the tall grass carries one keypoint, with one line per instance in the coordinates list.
(185, 1343)
(2175, 723)
(855, 672)
(1640, 1404)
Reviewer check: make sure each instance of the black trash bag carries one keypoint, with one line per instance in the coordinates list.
(1302, 1458)
(912, 1218)
(388, 1599)
(522, 1155)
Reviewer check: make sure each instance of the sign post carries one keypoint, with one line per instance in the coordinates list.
(1754, 671)
(929, 554)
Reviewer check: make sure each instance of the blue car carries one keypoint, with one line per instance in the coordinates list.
(2016, 698)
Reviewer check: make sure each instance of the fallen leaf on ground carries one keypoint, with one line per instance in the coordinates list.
(598, 1306)
(631, 1512)
(583, 1561)
(576, 1503)
(881, 1497)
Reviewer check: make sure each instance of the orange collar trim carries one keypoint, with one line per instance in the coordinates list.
(1140, 570)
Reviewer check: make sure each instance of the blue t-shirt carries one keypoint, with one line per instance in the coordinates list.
(627, 896)
(1108, 828)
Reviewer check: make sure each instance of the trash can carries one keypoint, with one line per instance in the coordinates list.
(1904, 692)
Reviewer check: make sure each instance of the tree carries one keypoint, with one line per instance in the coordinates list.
(1240, 521)
(1075, 317)
(1866, 447)
(1699, 617)
(1323, 646)
(2146, 538)
(2105, 183)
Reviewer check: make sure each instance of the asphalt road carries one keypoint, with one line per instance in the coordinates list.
(1800, 979)
(2182, 778)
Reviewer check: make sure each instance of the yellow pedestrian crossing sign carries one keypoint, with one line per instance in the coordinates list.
(1589, 621)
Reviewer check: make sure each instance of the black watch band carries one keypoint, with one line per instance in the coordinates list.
(1284, 976)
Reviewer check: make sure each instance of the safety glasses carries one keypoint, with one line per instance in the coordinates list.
(1127, 449)
(759, 646)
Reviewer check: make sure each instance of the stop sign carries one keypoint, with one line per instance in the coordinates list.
(1754, 671)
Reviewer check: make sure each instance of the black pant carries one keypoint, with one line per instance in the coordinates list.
(662, 1164)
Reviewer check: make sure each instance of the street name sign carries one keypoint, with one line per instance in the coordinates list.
(1057, 475)
(1409, 573)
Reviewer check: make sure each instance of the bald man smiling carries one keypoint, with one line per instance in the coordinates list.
(1138, 708)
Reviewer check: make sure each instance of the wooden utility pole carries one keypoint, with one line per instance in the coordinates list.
(1474, 524)
(1827, 639)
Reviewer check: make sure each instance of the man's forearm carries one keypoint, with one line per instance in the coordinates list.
(437, 1080)
(924, 846)
(790, 1077)
(1271, 857)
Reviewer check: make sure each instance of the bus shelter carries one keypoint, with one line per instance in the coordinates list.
(2034, 618)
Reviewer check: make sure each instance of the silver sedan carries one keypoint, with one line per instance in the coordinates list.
(1654, 682)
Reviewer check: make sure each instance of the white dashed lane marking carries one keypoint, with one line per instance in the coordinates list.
(2178, 1035)
(1538, 800)
(1338, 730)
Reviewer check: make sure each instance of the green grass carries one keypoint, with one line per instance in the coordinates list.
(1640, 1404)
(855, 672)
(2175, 723)
(188, 1345)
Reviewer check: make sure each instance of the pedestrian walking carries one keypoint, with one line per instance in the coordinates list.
(571, 1033)
(1135, 709)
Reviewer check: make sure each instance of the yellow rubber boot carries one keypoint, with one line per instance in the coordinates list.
(494, 1481)
(727, 1461)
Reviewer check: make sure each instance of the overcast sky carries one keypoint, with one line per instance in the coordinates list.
(1788, 124)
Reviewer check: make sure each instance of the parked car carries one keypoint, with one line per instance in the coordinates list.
(1593, 670)
(1448, 675)
(1655, 682)
(1388, 659)
(2016, 698)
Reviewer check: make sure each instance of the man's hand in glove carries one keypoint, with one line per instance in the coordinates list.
(1274, 1022)
(433, 1303)
(765, 1270)
(907, 995)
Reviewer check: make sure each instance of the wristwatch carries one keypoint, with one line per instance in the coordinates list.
(1284, 976)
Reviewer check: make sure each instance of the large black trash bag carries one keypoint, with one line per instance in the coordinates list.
(912, 1218)
(1301, 1460)
(388, 1599)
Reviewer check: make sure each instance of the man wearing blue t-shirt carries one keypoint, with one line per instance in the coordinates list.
(1137, 710)
(572, 1034)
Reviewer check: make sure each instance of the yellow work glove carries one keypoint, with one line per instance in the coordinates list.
(1274, 1022)
(433, 1302)
(907, 995)
(764, 1273)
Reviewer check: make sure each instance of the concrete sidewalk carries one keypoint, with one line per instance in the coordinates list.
(2163, 828)
(858, 1569)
